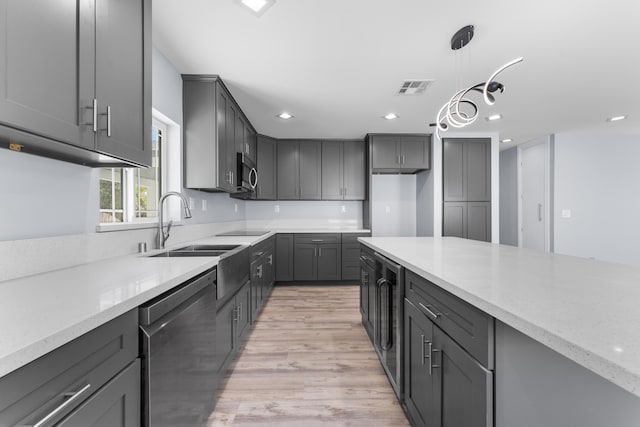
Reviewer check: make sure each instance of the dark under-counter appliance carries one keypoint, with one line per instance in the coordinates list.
(388, 318)
(178, 336)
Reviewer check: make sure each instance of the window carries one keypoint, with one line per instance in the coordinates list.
(132, 194)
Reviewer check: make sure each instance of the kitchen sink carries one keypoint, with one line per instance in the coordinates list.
(197, 250)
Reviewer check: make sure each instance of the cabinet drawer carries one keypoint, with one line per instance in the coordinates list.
(30, 393)
(318, 238)
(470, 327)
(350, 261)
(352, 238)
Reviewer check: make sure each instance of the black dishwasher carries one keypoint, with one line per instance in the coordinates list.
(178, 335)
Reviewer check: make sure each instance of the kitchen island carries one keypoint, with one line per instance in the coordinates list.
(560, 320)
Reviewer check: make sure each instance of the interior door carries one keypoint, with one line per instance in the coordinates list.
(533, 197)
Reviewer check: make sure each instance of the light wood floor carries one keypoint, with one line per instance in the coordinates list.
(308, 362)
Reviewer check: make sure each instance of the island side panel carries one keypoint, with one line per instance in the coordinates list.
(536, 386)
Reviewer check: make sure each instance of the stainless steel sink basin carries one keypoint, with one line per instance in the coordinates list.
(198, 250)
(208, 248)
(178, 253)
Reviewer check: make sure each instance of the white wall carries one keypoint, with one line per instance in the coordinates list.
(393, 205)
(509, 197)
(597, 178)
(303, 214)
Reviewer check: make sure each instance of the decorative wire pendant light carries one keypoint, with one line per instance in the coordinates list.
(461, 111)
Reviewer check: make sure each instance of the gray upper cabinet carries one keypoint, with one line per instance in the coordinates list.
(400, 153)
(266, 161)
(245, 138)
(343, 170)
(299, 170)
(71, 89)
(467, 170)
(215, 129)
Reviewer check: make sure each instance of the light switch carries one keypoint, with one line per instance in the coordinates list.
(387, 209)
(566, 213)
(204, 205)
(343, 209)
(192, 203)
(235, 207)
(276, 209)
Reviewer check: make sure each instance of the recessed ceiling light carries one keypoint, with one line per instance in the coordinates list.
(616, 118)
(257, 7)
(284, 115)
(507, 140)
(390, 116)
(494, 117)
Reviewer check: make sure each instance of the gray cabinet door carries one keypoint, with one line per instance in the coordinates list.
(123, 78)
(288, 170)
(479, 221)
(284, 258)
(454, 218)
(47, 69)
(414, 152)
(385, 152)
(350, 261)
(306, 264)
(454, 170)
(117, 404)
(310, 170)
(418, 376)
(332, 170)
(329, 262)
(354, 174)
(266, 161)
(243, 312)
(229, 160)
(478, 170)
(461, 382)
(225, 332)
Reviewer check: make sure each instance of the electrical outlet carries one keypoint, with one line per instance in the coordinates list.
(343, 209)
(387, 209)
(566, 213)
(276, 209)
(192, 203)
(204, 205)
(235, 207)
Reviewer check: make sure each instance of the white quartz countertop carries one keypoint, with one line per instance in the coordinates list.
(41, 312)
(584, 309)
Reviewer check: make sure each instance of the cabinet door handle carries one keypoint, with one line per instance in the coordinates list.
(109, 120)
(319, 251)
(539, 211)
(429, 312)
(423, 354)
(431, 351)
(72, 397)
(95, 115)
(315, 252)
(270, 259)
(260, 271)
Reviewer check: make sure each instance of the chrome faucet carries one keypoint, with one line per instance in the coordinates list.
(162, 236)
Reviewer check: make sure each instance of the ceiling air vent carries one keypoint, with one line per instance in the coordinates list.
(414, 87)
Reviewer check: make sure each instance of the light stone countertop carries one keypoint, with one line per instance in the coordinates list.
(39, 313)
(584, 309)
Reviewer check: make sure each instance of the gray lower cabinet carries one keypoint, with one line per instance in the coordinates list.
(351, 255)
(232, 322)
(469, 220)
(71, 89)
(448, 358)
(299, 170)
(91, 368)
(266, 161)
(343, 170)
(317, 257)
(398, 153)
(117, 404)
(262, 274)
(284, 258)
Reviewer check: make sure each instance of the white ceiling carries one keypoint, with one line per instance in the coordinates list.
(337, 64)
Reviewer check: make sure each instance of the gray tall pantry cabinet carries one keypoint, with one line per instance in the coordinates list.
(77, 76)
(467, 188)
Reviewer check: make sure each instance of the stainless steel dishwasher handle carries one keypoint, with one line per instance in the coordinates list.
(72, 398)
(429, 312)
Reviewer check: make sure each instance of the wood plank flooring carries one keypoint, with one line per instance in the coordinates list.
(308, 362)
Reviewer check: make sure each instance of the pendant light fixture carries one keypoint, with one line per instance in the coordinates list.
(461, 111)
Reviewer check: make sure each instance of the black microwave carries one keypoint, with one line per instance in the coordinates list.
(247, 174)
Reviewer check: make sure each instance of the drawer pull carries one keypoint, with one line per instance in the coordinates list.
(429, 312)
(317, 240)
(72, 397)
